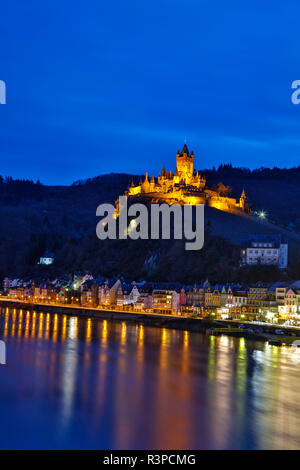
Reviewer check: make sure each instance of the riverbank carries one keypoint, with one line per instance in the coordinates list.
(148, 319)
(274, 334)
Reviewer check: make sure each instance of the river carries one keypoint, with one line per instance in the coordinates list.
(74, 383)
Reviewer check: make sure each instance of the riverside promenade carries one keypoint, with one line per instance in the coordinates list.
(252, 330)
(114, 314)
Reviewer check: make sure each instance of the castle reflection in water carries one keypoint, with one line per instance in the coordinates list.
(84, 383)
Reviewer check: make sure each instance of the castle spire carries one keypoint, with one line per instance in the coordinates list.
(185, 149)
(243, 200)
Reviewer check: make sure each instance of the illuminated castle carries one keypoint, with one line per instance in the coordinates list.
(185, 186)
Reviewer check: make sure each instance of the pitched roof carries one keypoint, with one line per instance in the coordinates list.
(275, 239)
(48, 254)
(185, 150)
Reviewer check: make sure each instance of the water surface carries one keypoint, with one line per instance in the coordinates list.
(73, 383)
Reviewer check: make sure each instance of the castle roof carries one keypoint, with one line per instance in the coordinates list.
(185, 150)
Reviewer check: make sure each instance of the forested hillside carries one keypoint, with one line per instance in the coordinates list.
(35, 218)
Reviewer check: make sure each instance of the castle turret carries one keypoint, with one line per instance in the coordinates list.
(243, 200)
(176, 177)
(146, 184)
(152, 184)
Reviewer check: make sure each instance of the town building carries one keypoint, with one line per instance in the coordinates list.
(47, 258)
(219, 296)
(89, 294)
(266, 250)
(126, 294)
(292, 303)
(166, 301)
(195, 296)
(107, 291)
(143, 303)
(8, 284)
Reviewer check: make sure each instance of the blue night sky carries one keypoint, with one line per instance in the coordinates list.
(97, 87)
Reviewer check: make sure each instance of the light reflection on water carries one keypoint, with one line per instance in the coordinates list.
(84, 383)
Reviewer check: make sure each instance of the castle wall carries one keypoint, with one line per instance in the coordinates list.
(193, 200)
(134, 190)
(227, 204)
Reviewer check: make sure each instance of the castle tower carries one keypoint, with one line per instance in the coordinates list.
(185, 163)
(243, 200)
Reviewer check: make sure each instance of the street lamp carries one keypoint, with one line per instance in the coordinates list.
(262, 214)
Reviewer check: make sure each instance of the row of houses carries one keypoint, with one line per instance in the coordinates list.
(276, 302)
(140, 297)
(99, 292)
(279, 301)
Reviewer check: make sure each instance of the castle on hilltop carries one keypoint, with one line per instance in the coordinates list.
(186, 186)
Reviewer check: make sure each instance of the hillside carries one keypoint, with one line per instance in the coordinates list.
(62, 219)
(235, 228)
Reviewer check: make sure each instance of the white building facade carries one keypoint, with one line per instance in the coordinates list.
(265, 250)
